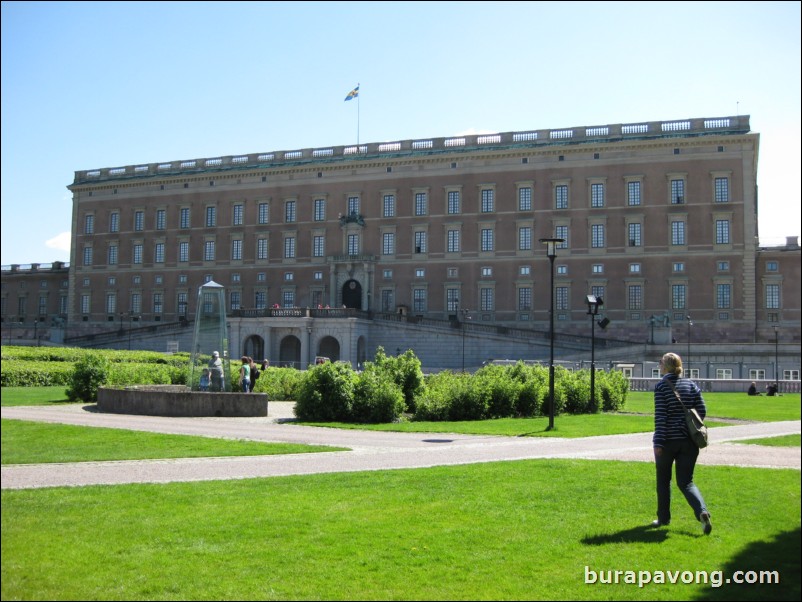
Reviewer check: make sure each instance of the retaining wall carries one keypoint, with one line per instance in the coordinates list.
(178, 400)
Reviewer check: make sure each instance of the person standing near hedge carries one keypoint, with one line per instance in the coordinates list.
(672, 442)
(245, 374)
(216, 370)
(254, 374)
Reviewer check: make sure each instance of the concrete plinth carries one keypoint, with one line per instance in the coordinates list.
(178, 400)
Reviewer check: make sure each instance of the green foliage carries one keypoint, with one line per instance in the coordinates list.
(498, 391)
(326, 393)
(450, 396)
(280, 384)
(405, 371)
(614, 390)
(377, 399)
(20, 373)
(91, 372)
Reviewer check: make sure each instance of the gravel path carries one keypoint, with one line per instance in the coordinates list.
(370, 450)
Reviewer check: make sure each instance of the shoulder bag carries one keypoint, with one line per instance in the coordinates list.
(696, 426)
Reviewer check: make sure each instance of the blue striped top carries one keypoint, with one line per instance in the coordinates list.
(669, 416)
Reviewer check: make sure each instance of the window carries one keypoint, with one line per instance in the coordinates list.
(419, 300)
(597, 195)
(420, 273)
(453, 241)
(353, 244)
(137, 254)
(261, 248)
(677, 192)
(260, 299)
(772, 296)
(597, 268)
(112, 257)
(487, 240)
(289, 212)
(678, 292)
(452, 299)
(634, 268)
(320, 210)
(139, 221)
(183, 219)
(757, 374)
(289, 247)
(562, 270)
(353, 205)
(388, 209)
(420, 203)
(561, 232)
(525, 199)
(264, 213)
(235, 300)
(136, 303)
(678, 266)
(487, 272)
(420, 242)
(85, 304)
(211, 217)
(388, 243)
(208, 250)
(158, 253)
(561, 196)
(524, 298)
(236, 217)
(453, 202)
(236, 277)
(525, 270)
(598, 291)
(790, 374)
(723, 296)
(89, 224)
(288, 298)
(772, 266)
(388, 301)
(158, 303)
(261, 277)
(318, 246)
(635, 297)
(114, 222)
(289, 276)
(161, 219)
(452, 272)
(722, 232)
(525, 238)
(486, 299)
(678, 233)
(183, 251)
(723, 266)
(111, 303)
(236, 249)
(318, 276)
(488, 198)
(634, 235)
(723, 373)
(722, 188)
(597, 236)
(561, 300)
(181, 303)
(633, 193)
(387, 274)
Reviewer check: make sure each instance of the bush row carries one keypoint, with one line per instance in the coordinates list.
(74, 354)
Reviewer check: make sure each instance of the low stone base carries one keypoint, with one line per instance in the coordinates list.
(179, 400)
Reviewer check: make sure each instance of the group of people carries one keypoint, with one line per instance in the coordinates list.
(771, 390)
(212, 378)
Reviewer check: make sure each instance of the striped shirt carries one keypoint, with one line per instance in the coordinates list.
(669, 415)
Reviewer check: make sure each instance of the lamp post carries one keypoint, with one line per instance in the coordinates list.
(688, 355)
(36, 330)
(551, 252)
(594, 303)
(131, 319)
(776, 360)
(464, 314)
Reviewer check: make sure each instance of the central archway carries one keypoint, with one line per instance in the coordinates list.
(352, 294)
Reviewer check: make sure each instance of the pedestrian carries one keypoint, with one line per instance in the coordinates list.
(771, 389)
(216, 371)
(753, 389)
(254, 374)
(205, 380)
(245, 374)
(672, 442)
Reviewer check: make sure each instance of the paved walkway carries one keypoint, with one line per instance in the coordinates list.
(370, 450)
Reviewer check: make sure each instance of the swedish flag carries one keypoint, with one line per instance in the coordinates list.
(353, 93)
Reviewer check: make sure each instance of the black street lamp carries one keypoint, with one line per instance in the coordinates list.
(776, 360)
(688, 355)
(465, 316)
(131, 319)
(551, 252)
(594, 303)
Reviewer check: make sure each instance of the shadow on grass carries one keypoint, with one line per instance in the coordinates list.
(776, 559)
(640, 534)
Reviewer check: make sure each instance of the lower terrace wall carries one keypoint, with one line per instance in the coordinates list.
(178, 400)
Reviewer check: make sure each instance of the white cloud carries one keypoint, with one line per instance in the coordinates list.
(60, 242)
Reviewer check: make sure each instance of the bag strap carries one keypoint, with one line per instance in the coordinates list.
(676, 393)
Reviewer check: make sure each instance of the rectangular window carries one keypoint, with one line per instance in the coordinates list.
(388, 243)
(264, 213)
(561, 299)
(772, 266)
(598, 291)
(320, 210)
(235, 300)
(139, 221)
(678, 266)
(722, 190)
(236, 249)
(452, 299)
(237, 216)
(723, 373)
(183, 251)
(597, 195)
(561, 232)
(453, 202)
(318, 246)
(89, 224)
(757, 374)
(113, 250)
(181, 303)
(525, 199)
(261, 248)
(85, 304)
(633, 193)
(561, 196)
(597, 268)
(353, 244)
(136, 303)
(722, 232)
(388, 301)
(114, 222)
(161, 219)
(158, 303)
(420, 242)
(211, 217)
(678, 233)
(597, 236)
(677, 192)
(184, 218)
(288, 298)
(635, 297)
(487, 201)
(524, 298)
(289, 212)
(453, 239)
(723, 296)
(525, 238)
(486, 299)
(208, 250)
(388, 205)
(289, 247)
(419, 300)
(111, 303)
(634, 235)
(421, 203)
(353, 205)
(158, 253)
(137, 254)
(678, 296)
(487, 240)
(260, 299)
(772, 296)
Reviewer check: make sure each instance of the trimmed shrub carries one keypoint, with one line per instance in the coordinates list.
(280, 384)
(376, 398)
(405, 371)
(326, 393)
(19, 373)
(614, 390)
(91, 373)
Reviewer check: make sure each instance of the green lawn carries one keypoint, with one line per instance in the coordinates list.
(33, 396)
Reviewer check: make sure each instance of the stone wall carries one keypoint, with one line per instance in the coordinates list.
(178, 400)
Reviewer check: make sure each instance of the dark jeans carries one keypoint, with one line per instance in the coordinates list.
(683, 453)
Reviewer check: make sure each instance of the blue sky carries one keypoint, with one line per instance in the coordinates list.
(107, 84)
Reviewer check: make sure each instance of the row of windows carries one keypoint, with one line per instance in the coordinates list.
(353, 243)
(561, 194)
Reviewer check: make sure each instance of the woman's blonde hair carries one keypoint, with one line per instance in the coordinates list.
(672, 363)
